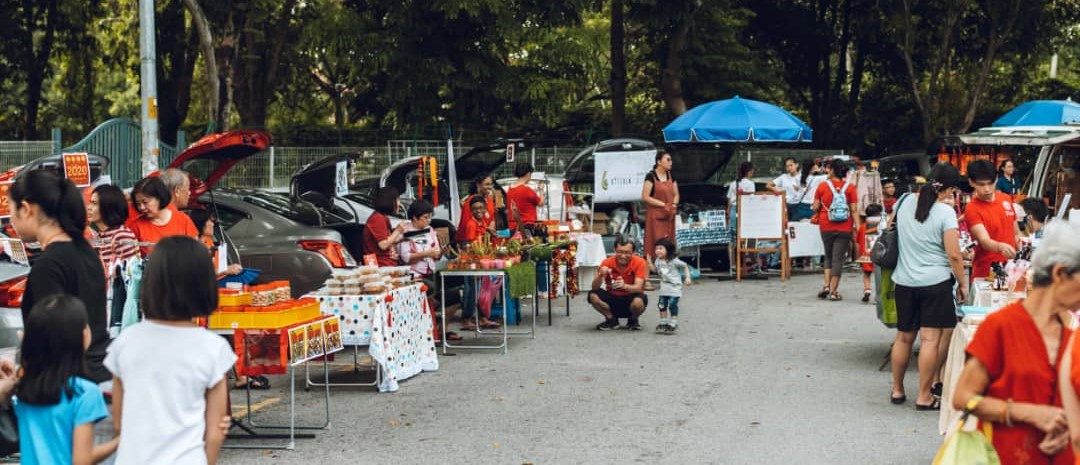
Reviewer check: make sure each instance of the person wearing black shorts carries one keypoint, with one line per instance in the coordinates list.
(930, 264)
(618, 290)
(925, 307)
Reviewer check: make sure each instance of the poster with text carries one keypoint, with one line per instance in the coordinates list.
(77, 168)
(5, 207)
(618, 176)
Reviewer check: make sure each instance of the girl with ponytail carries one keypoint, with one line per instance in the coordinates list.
(930, 265)
(49, 210)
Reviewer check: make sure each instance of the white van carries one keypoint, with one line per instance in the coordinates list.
(1048, 157)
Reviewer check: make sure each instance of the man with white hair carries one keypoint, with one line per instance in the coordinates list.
(179, 185)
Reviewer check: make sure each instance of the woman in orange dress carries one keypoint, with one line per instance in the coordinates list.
(661, 196)
(1015, 356)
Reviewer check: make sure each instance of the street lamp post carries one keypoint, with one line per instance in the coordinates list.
(148, 79)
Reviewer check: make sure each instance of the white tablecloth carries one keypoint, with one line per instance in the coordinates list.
(398, 333)
(954, 365)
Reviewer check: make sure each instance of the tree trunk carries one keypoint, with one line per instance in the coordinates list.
(993, 43)
(671, 76)
(206, 44)
(618, 70)
(228, 58)
(36, 62)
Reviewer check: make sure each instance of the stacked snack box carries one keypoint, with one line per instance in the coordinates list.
(366, 280)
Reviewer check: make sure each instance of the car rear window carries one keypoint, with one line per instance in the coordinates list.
(276, 203)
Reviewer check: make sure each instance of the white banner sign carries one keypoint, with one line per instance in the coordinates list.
(618, 176)
(341, 179)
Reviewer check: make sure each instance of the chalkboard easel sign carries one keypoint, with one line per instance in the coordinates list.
(762, 219)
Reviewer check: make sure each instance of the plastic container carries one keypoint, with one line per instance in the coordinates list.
(229, 298)
(266, 318)
(352, 286)
(374, 288)
(366, 269)
(369, 278)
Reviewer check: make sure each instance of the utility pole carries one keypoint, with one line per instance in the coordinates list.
(148, 79)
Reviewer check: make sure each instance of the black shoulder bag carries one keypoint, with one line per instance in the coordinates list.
(886, 250)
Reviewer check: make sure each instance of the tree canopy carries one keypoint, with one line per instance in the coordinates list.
(870, 77)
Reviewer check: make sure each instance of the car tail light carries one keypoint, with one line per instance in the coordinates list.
(11, 292)
(338, 255)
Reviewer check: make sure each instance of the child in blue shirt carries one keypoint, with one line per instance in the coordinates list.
(52, 397)
(670, 269)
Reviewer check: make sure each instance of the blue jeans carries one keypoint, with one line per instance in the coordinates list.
(669, 303)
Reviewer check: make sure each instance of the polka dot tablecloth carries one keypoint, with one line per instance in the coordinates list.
(397, 330)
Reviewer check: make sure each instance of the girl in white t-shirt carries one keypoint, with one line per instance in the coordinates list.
(169, 374)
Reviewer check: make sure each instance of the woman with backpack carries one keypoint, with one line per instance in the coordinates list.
(835, 202)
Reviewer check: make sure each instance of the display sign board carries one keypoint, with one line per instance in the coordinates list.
(509, 153)
(804, 240)
(5, 206)
(77, 168)
(619, 176)
(761, 216)
(341, 180)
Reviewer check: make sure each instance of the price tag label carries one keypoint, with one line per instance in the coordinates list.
(5, 204)
(371, 260)
(77, 168)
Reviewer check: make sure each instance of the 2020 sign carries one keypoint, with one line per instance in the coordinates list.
(77, 168)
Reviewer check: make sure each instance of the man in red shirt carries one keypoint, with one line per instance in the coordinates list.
(623, 291)
(990, 218)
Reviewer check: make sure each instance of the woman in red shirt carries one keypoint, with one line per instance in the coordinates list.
(379, 237)
(523, 200)
(1014, 357)
(156, 220)
(835, 234)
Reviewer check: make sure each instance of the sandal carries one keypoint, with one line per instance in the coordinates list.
(452, 336)
(935, 405)
(866, 295)
(467, 326)
(255, 383)
(824, 293)
(835, 297)
(491, 325)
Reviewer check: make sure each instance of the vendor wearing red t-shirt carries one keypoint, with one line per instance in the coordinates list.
(379, 238)
(623, 276)
(523, 200)
(990, 218)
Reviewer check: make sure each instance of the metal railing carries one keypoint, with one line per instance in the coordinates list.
(18, 153)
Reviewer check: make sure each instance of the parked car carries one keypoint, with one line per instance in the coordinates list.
(13, 275)
(904, 168)
(264, 230)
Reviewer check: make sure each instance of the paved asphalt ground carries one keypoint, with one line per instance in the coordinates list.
(761, 372)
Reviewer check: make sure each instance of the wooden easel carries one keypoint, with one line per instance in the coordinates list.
(773, 232)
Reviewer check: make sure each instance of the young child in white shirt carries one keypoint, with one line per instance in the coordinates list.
(169, 380)
(670, 269)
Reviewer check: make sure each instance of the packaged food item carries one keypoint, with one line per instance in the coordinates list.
(282, 291)
(369, 278)
(341, 275)
(366, 269)
(400, 282)
(374, 288)
(352, 286)
(400, 271)
(335, 287)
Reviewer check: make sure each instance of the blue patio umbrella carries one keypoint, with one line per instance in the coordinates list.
(737, 120)
(1041, 113)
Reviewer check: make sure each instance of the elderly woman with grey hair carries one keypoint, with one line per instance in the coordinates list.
(1011, 378)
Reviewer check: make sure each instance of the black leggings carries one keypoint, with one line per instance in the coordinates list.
(836, 248)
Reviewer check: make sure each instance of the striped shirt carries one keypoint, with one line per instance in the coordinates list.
(114, 245)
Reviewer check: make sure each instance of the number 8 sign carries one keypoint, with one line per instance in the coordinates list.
(77, 168)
